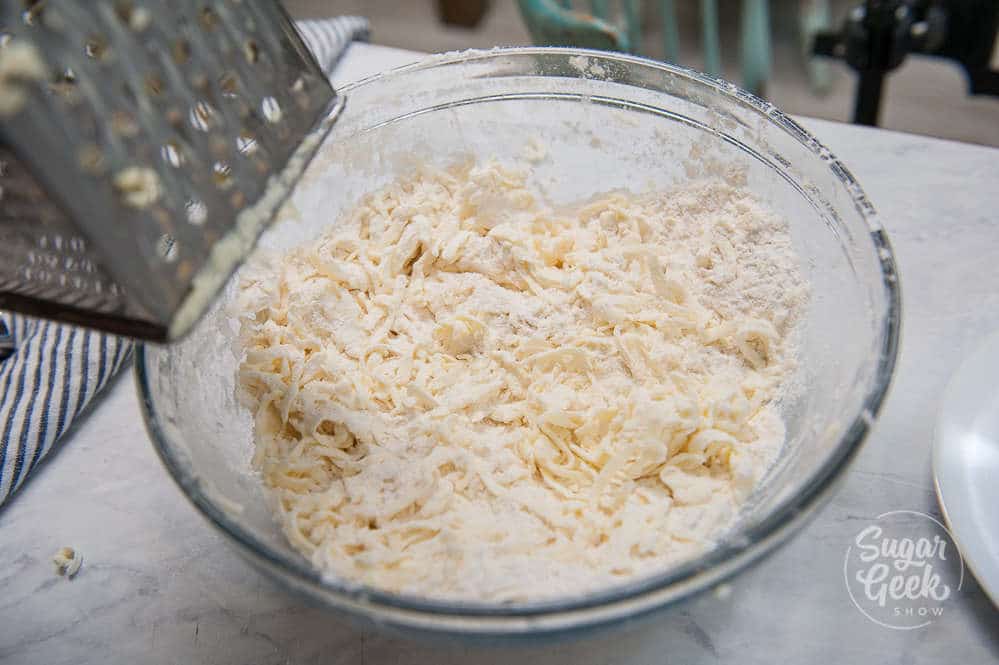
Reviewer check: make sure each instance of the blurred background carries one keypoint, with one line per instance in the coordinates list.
(759, 44)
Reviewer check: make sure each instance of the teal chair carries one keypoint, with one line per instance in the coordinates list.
(557, 22)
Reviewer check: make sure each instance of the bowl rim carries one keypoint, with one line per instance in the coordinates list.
(631, 598)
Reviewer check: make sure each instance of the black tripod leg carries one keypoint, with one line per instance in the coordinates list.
(868, 102)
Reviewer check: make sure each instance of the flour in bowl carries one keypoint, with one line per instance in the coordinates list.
(461, 392)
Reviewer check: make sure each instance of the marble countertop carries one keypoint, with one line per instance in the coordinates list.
(159, 585)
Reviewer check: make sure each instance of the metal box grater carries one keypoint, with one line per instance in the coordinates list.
(144, 144)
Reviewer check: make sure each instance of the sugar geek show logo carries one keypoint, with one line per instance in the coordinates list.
(903, 569)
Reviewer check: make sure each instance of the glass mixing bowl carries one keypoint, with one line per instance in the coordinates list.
(592, 122)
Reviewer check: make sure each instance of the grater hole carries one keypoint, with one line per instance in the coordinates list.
(136, 18)
(218, 147)
(171, 154)
(137, 186)
(141, 19)
(243, 109)
(96, 48)
(246, 144)
(53, 20)
(123, 9)
(299, 90)
(199, 81)
(181, 51)
(91, 159)
(33, 10)
(208, 18)
(202, 116)
(166, 247)
(64, 85)
(271, 110)
(222, 175)
(154, 85)
(228, 84)
(196, 212)
(175, 117)
(251, 51)
(124, 124)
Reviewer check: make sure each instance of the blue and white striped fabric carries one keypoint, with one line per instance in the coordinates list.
(53, 374)
(56, 369)
(328, 38)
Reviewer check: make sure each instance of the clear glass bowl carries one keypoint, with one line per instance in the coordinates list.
(606, 121)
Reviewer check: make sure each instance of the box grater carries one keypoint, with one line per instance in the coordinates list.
(144, 144)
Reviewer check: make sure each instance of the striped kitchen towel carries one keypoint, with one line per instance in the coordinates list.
(329, 38)
(55, 370)
(53, 374)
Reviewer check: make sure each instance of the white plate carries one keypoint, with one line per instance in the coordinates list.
(966, 463)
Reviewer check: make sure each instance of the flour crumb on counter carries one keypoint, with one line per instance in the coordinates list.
(67, 562)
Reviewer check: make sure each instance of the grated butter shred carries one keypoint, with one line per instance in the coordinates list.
(460, 392)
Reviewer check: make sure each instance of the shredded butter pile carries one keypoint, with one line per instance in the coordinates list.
(461, 393)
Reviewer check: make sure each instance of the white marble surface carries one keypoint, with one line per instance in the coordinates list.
(158, 585)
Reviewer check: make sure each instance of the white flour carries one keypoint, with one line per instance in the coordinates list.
(461, 393)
